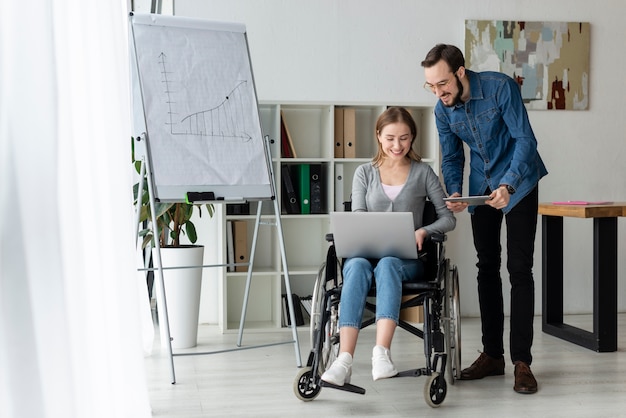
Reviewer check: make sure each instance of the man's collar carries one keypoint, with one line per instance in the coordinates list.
(476, 90)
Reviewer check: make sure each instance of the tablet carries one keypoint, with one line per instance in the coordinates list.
(472, 200)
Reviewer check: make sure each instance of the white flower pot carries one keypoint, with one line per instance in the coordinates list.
(182, 292)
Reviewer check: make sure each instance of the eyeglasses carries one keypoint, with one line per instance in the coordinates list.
(433, 87)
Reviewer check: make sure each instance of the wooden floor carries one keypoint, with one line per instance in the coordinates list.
(573, 381)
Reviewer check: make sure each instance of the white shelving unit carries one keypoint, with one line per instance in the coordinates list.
(311, 126)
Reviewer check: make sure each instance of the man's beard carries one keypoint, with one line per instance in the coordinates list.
(457, 98)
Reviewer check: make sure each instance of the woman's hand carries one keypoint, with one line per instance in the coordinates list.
(420, 237)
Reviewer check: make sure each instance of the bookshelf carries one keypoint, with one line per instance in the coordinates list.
(312, 130)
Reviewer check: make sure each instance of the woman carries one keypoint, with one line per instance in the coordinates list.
(396, 180)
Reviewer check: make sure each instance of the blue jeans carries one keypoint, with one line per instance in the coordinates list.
(389, 272)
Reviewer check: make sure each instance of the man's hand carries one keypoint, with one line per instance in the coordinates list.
(456, 207)
(499, 198)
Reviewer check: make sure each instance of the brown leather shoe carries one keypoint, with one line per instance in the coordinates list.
(524, 380)
(483, 366)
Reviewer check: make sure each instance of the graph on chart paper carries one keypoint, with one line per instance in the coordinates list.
(200, 106)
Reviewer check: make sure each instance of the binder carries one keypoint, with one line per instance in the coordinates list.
(285, 311)
(230, 246)
(238, 208)
(286, 143)
(317, 194)
(305, 307)
(240, 234)
(339, 187)
(307, 304)
(349, 133)
(297, 310)
(338, 132)
(290, 200)
(303, 186)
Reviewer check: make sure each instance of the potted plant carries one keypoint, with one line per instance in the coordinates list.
(182, 285)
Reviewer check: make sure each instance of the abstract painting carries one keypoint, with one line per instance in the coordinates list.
(549, 60)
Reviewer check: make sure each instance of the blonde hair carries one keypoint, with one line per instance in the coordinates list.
(395, 115)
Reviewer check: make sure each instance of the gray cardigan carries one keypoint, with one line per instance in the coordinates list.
(422, 183)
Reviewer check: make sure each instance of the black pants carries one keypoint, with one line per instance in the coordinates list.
(521, 227)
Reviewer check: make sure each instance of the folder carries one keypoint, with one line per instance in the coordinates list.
(338, 132)
(339, 187)
(285, 316)
(230, 245)
(240, 234)
(303, 186)
(286, 142)
(349, 133)
(238, 208)
(317, 192)
(290, 200)
(297, 310)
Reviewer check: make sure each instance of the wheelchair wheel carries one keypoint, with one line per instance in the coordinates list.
(452, 323)
(304, 385)
(435, 390)
(330, 345)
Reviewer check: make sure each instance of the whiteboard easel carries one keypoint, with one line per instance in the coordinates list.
(199, 138)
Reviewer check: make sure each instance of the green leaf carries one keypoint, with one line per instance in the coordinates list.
(191, 232)
(162, 209)
(211, 209)
(187, 211)
(147, 240)
(144, 213)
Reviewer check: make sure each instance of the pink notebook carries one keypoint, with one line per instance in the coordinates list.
(581, 202)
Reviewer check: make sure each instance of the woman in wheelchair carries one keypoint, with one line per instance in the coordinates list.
(396, 180)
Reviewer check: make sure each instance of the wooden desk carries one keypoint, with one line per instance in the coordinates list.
(604, 335)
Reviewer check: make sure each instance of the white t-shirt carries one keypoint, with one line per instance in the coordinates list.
(392, 191)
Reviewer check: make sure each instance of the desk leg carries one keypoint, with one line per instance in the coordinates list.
(605, 283)
(604, 335)
(552, 270)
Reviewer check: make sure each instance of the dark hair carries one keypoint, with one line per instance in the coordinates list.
(395, 115)
(449, 53)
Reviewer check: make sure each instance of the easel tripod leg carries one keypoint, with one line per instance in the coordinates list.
(164, 324)
(244, 307)
(294, 330)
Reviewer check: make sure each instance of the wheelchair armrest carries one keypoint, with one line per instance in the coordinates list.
(439, 238)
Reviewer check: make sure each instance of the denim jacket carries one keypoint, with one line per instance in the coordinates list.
(494, 124)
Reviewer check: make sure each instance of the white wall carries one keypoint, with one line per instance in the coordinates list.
(370, 50)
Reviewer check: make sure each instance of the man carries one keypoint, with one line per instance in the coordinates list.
(485, 110)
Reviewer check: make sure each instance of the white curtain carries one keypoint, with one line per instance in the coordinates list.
(70, 335)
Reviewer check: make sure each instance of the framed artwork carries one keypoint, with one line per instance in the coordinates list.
(549, 60)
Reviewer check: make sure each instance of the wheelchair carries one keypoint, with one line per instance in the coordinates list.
(437, 292)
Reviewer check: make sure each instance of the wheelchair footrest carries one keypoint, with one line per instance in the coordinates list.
(412, 373)
(346, 387)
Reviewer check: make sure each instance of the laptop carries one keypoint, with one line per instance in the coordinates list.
(373, 234)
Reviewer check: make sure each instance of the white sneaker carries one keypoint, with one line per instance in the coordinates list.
(382, 366)
(340, 371)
